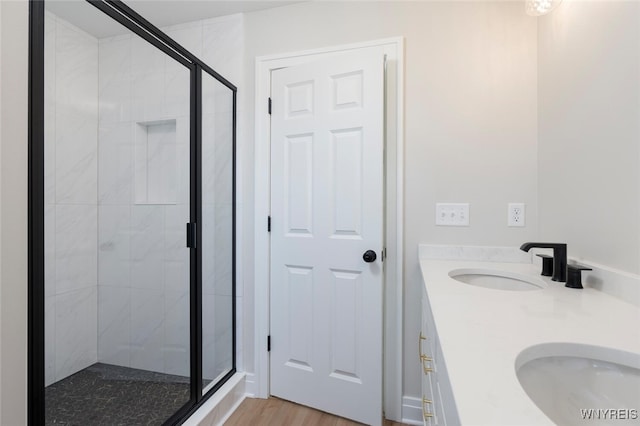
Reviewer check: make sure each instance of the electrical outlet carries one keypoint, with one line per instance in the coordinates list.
(452, 214)
(516, 214)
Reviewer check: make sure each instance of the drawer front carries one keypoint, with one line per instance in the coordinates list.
(425, 354)
(439, 406)
(432, 409)
(428, 403)
(428, 327)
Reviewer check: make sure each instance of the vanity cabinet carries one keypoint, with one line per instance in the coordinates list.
(438, 406)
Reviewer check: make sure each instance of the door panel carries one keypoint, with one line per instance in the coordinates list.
(327, 210)
(346, 308)
(298, 180)
(346, 183)
(300, 291)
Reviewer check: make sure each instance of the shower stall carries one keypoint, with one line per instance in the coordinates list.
(132, 220)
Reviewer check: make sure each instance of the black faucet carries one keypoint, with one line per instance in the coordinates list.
(559, 258)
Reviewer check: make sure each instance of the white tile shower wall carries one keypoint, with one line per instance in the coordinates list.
(76, 336)
(71, 215)
(220, 43)
(114, 87)
(50, 108)
(76, 78)
(115, 161)
(176, 331)
(50, 199)
(208, 336)
(223, 44)
(114, 324)
(143, 280)
(147, 329)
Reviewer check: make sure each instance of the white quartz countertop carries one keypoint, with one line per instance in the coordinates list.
(482, 331)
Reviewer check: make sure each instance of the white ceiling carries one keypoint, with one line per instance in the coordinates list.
(168, 12)
(161, 13)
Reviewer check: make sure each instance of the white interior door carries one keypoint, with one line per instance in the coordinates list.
(326, 212)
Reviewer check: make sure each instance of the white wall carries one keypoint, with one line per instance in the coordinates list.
(589, 130)
(13, 211)
(470, 118)
(71, 211)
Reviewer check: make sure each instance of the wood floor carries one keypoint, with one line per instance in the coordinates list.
(278, 412)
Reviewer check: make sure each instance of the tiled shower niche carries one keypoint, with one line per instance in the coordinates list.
(156, 162)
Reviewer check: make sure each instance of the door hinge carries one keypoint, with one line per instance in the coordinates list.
(269, 106)
(268, 223)
(191, 235)
(269, 343)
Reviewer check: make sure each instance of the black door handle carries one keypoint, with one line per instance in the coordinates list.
(369, 256)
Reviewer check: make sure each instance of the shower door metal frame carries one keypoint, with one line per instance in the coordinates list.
(126, 16)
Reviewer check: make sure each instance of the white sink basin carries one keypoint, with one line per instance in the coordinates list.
(567, 380)
(498, 280)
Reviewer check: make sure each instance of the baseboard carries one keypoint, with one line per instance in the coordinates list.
(217, 409)
(226, 400)
(250, 385)
(230, 411)
(411, 410)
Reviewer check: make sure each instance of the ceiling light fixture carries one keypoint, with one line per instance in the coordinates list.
(540, 7)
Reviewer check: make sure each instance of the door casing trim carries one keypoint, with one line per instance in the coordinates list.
(394, 166)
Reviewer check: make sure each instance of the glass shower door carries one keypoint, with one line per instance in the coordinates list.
(117, 197)
(217, 231)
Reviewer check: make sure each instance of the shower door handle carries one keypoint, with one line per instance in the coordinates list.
(191, 235)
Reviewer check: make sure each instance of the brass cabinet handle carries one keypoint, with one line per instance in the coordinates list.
(424, 359)
(420, 339)
(425, 414)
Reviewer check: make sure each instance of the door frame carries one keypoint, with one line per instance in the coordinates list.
(394, 213)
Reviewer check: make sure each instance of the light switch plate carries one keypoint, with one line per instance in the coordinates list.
(452, 214)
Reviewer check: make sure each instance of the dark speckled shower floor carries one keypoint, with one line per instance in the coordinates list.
(109, 395)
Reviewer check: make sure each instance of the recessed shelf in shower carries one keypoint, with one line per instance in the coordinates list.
(156, 162)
